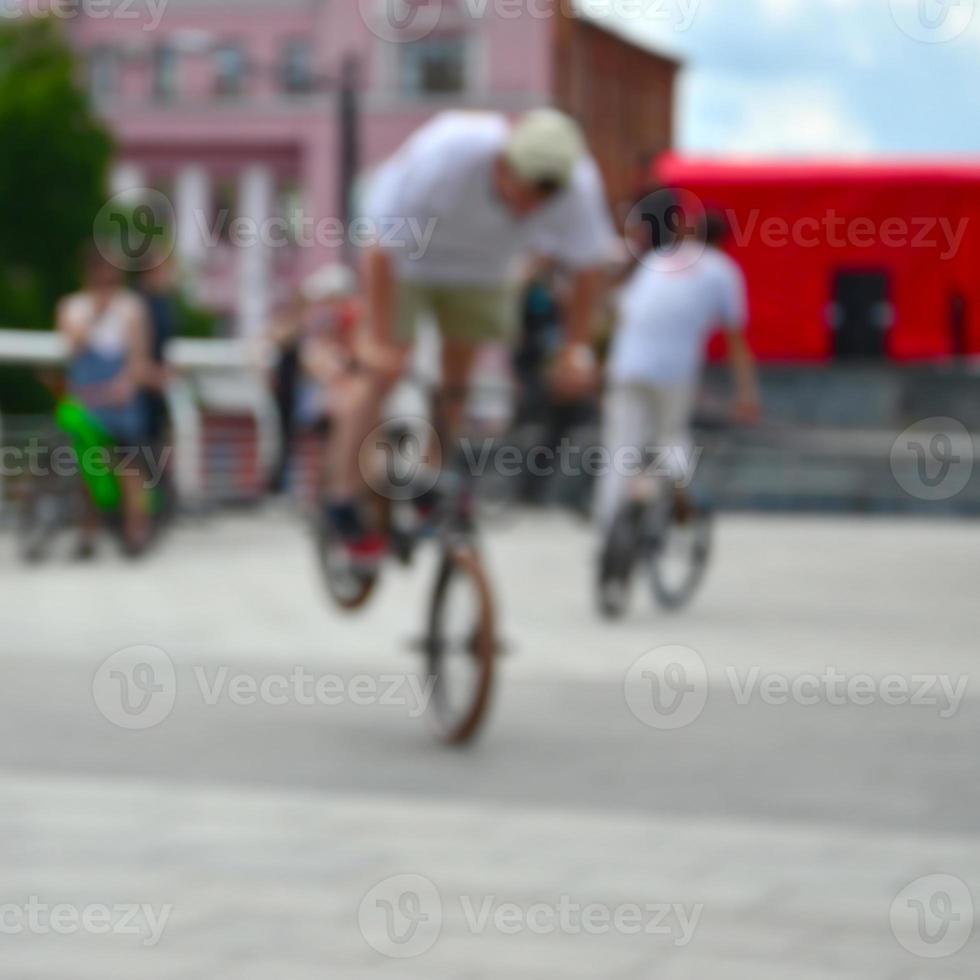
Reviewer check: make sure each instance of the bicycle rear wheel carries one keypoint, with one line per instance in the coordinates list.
(49, 507)
(679, 560)
(348, 585)
(461, 646)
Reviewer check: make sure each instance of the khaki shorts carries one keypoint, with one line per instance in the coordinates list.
(472, 314)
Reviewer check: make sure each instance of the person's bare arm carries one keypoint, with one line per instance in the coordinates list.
(576, 370)
(156, 376)
(748, 400)
(378, 350)
(139, 369)
(71, 327)
(584, 295)
(379, 283)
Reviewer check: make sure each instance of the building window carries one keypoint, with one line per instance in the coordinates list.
(165, 73)
(229, 70)
(103, 69)
(297, 67)
(434, 66)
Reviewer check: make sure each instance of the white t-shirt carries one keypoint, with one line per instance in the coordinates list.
(668, 310)
(434, 207)
(108, 334)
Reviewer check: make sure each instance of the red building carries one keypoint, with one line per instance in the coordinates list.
(850, 260)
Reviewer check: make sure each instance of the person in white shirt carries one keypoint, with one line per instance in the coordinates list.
(676, 297)
(106, 330)
(455, 210)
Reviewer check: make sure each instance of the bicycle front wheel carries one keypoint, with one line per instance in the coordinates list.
(461, 646)
(679, 560)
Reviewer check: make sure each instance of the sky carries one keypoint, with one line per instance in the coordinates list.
(818, 77)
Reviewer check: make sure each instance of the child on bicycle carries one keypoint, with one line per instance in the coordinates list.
(679, 292)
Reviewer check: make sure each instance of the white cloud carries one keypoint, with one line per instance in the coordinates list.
(779, 9)
(753, 118)
(819, 77)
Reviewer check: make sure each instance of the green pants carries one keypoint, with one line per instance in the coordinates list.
(471, 314)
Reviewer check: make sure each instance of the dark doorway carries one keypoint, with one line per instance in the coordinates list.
(862, 313)
(957, 325)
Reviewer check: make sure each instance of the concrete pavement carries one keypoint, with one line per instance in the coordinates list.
(768, 831)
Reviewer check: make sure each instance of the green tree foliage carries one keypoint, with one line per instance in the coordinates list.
(54, 157)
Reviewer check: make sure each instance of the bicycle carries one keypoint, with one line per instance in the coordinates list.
(667, 530)
(53, 503)
(460, 644)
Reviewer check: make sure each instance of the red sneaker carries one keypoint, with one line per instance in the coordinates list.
(367, 550)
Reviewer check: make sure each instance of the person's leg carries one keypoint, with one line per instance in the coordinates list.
(136, 521)
(468, 317)
(356, 403)
(166, 488)
(88, 529)
(355, 412)
(90, 519)
(287, 429)
(566, 416)
(458, 358)
(626, 423)
(673, 411)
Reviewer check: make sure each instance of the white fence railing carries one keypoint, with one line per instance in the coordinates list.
(226, 377)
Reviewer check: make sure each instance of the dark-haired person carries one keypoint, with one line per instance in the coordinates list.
(677, 295)
(455, 211)
(159, 291)
(105, 327)
(158, 287)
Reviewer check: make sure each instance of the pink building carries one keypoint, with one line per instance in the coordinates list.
(225, 106)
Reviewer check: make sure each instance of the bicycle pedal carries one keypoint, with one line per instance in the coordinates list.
(503, 648)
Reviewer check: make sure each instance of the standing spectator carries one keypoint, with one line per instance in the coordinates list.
(332, 313)
(158, 288)
(313, 336)
(285, 336)
(540, 339)
(105, 327)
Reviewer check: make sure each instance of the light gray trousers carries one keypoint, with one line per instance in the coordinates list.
(651, 419)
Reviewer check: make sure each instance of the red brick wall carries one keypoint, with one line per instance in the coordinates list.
(621, 94)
